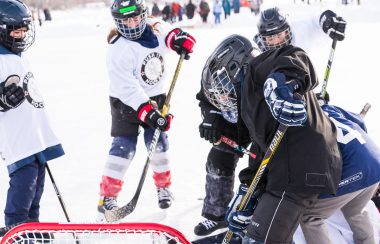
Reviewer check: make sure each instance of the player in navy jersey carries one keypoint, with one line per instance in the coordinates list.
(359, 181)
(27, 140)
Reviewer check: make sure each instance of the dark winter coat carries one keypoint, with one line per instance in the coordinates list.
(308, 159)
(190, 9)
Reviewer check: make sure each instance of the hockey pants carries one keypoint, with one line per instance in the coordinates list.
(26, 186)
(120, 156)
(220, 168)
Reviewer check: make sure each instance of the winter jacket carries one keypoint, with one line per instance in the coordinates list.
(308, 159)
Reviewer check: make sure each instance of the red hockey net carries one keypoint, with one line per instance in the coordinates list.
(93, 233)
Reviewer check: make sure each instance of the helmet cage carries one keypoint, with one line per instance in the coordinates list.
(268, 39)
(130, 20)
(222, 92)
(17, 45)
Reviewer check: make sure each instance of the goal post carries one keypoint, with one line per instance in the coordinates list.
(93, 233)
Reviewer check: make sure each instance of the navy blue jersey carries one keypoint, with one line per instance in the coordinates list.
(361, 157)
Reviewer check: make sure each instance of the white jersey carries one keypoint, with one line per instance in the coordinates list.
(24, 130)
(136, 72)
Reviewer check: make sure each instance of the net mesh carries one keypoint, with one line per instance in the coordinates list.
(93, 233)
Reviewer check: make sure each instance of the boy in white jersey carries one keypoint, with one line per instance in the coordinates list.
(136, 68)
(27, 141)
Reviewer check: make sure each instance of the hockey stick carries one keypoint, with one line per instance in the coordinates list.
(60, 199)
(365, 109)
(117, 214)
(267, 157)
(328, 68)
(237, 147)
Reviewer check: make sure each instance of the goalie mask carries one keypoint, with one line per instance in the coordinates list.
(274, 29)
(16, 26)
(223, 71)
(130, 17)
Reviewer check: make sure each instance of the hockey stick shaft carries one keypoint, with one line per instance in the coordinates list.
(267, 157)
(236, 146)
(365, 109)
(328, 68)
(60, 199)
(112, 216)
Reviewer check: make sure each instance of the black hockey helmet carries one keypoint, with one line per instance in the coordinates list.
(271, 23)
(130, 17)
(224, 69)
(14, 15)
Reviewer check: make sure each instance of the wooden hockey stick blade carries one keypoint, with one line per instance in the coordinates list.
(120, 213)
(365, 109)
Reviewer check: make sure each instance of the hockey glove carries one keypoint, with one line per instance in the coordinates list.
(323, 100)
(239, 220)
(333, 25)
(211, 127)
(11, 96)
(279, 96)
(180, 41)
(152, 117)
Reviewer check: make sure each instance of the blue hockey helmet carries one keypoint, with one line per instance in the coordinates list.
(15, 15)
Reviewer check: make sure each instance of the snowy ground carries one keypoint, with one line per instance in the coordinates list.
(68, 59)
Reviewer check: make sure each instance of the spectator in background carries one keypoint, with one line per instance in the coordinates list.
(217, 10)
(226, 8)
(180, 12)
(156, 12)
(190, 9)
(204, 10)
(47, 14)
(236, 6)
(167, 12)
(175, 9)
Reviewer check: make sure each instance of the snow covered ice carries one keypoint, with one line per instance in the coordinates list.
(68, 60)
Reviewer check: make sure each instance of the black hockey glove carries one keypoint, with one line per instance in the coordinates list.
(323, 100)
(211, 128)
(180, 41)
(152, 117)
(11, 96)
(279, 95)
(333, 25)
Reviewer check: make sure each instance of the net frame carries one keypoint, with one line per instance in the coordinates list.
(94, 233)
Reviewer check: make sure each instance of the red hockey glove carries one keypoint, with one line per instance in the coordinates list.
(180, 41)
(152, 117)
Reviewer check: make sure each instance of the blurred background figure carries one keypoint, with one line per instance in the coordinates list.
(156, 12)
(226, 8)
(204, 10)
(217, 11)
(236, 6)
(255, 6)
(189, 10)
(167, 12)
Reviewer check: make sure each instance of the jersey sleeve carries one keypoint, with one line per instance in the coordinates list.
(296, 65)
(160, 27)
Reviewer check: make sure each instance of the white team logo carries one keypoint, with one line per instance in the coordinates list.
(160, 121)
(125, 3)
(31, 92)
(152, 68)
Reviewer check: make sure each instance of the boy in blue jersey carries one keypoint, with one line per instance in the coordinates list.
(360, 179)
